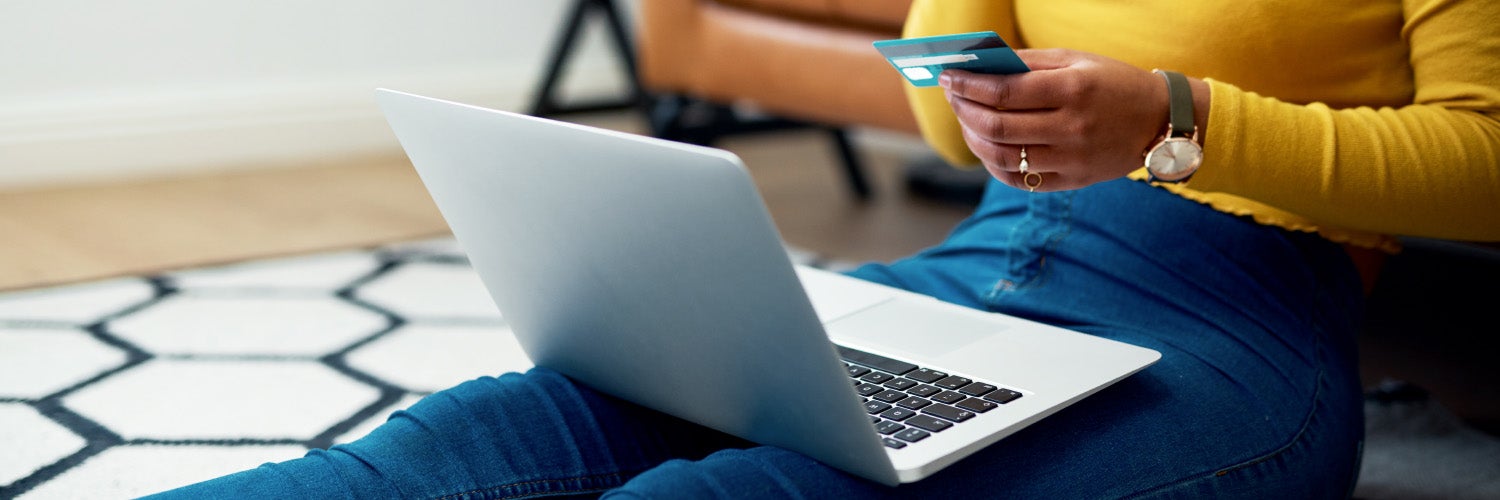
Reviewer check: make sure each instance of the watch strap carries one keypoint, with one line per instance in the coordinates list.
(1180, 103)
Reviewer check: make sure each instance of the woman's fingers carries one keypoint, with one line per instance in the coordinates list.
(1009, 126)
(1030, 90)
(1083, 118)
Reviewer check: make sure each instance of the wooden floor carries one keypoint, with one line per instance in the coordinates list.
(79, 233)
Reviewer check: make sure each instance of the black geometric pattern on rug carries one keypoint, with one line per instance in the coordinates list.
(126, 387)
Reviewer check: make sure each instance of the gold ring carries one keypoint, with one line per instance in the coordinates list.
(1024, 164)
(1032, 186)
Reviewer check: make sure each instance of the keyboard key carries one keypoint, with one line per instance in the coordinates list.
(888, 427)
(952, 382)
(913, 402)
(875, 361)
(889, 396)
(977, 405)
(898, 413)
(926, 375)
(948, 397)
(948, 412)
(900, 384)
(856, 370)
(874, 407)
(912, 435)
(977, 389)
(1003, 396)
(891, 443)
(877, 377)
(929, 423)
(925, 391)
(874, 419)
(866, 389)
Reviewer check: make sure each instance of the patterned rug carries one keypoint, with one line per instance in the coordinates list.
(126, 387)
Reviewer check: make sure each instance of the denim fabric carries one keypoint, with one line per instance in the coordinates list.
(1256, 395)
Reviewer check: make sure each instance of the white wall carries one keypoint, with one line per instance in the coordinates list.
(104, 89)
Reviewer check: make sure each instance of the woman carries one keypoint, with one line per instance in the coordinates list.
(1300, 134)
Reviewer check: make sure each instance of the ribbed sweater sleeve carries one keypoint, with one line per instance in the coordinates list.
(1431, 168)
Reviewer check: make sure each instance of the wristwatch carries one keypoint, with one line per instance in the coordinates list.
(1176, 155)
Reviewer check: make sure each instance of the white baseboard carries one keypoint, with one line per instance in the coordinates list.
(156, 132)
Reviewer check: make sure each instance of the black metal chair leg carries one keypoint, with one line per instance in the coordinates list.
(545, 102)
(853, 167)
(671, 117)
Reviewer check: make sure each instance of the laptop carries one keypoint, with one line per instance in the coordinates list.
(651, 270)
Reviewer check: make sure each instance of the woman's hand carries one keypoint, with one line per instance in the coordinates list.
(1083, 118)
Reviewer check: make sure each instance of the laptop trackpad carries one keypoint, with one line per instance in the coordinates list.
(915, 327)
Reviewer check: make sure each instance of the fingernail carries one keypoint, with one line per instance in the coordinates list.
(944, 80)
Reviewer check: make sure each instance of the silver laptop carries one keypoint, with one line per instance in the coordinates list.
(650, 270)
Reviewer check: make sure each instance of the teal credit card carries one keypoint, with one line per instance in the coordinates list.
(920, 60)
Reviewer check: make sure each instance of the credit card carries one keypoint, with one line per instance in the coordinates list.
(920, 60)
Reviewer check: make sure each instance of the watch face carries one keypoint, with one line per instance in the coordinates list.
(1174, 159)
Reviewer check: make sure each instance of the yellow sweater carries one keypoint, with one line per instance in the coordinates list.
(1357, 119)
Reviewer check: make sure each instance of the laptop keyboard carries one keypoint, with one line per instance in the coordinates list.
(907, 403)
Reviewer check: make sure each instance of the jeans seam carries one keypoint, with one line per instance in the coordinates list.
(1063, 223)
(502, 487)
(1278, 451)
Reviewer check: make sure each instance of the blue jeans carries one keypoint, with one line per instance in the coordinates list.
(1256, 394)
